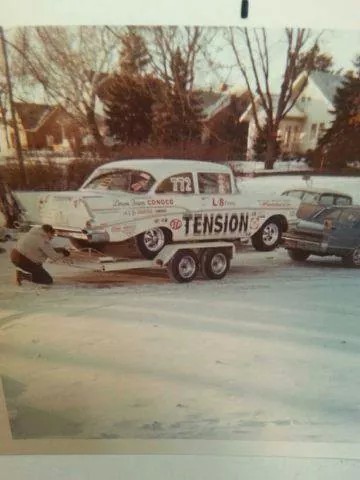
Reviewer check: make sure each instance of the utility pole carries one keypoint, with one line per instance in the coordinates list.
(19, 154)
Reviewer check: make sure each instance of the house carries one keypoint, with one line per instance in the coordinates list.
(308, 119)
(221, 130)
(41, 127)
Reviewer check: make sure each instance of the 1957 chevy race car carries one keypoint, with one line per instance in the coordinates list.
(152, 203)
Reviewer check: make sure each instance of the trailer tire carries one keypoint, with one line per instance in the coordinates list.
(183, 266)
(214, 263)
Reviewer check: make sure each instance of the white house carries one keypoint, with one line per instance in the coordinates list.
(307, 120)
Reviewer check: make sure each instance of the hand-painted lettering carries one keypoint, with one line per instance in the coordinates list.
(209, 224)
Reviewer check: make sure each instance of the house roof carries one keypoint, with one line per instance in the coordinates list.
(32, 115)
(215, 101)
(327, 82)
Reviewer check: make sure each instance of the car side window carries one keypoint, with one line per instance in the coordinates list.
(327, 199)
(214, 183)
(331, 213)
(310, 197)
(339, 200)
(180, 183)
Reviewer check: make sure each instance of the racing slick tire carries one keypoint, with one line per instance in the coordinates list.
(298, 255)
(183, 267)
(352, 260)
(151, 242)
(268, 237)
(214, 263)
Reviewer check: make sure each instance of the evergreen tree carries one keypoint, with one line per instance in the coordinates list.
(129, 107)
(341, 143)
(134, 55)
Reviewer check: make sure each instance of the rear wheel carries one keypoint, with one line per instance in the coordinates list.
(151, 242)
(298, 255)
(268, 237)
(183, 266)
(214, 264)
(352, 260)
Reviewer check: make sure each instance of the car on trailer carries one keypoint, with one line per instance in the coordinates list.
(146, 204)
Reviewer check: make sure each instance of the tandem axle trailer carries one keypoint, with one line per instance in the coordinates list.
(183, 261)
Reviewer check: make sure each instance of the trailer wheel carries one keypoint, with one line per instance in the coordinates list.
(214, 264)
(183, 266)
(151, 242)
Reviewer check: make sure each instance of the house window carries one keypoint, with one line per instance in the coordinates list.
(313, 131)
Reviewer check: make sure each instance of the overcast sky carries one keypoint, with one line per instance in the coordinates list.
(341, 44)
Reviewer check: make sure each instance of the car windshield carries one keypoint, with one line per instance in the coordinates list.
(130, 181)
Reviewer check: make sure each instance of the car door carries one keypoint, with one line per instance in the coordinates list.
(221, 217)
(344, 234)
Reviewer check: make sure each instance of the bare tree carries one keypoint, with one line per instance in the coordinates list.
(255, 69)
(69, 63)
(177, 55)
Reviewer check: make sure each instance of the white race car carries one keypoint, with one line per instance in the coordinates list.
(150, 203)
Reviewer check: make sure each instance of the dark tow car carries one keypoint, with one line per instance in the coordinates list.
(332, 231)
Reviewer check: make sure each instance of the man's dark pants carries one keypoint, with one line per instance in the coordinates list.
(38, 273)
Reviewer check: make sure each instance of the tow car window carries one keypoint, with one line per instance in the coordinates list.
(180, 183)
(310, 197)
(327, 199)
(339, 200)
(214, 183)
(332, 213)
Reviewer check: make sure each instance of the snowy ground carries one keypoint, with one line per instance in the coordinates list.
(269, 353)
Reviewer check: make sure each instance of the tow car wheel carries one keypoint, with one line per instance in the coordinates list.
(268, 237)
(151, 242)
(183, 266)
(298, 255)
(352, 260)
(215, 264)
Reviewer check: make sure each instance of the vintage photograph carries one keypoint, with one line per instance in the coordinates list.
(180, 236)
